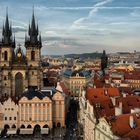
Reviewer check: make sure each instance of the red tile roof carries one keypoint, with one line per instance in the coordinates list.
(134, 134)
(129, 102)
(65, 89)
(135, 75)
(120, 126)
(102, 92)
(100, 99)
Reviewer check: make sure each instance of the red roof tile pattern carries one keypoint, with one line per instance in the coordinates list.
(65, 89)
(121, 127)
(134, 75)
(129, 102)
(100, 99)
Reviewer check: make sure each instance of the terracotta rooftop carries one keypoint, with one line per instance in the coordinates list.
(101, 92)
(100, 99)
(132, 75)
(129, 102)
(134, 134)
(65, 89)
(121, 127)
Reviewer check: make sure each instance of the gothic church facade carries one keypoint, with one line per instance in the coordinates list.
(18, 70)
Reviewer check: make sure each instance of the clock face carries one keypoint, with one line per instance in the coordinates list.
(19, 55)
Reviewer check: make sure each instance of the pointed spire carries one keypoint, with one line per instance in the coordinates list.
(37, 28)
(10, 30)
(33, 26)
(7, 23)
(7, 30)
(3, 30)
(14, 40)
(29, 30)
(40, 40)
(26, 39)
(33, 32)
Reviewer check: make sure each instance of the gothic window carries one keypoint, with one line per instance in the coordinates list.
(5, 78)
(18, 84)
(5, 56)
(32, 55)
(9, 75)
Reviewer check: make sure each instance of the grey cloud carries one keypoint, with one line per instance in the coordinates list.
(18, 29)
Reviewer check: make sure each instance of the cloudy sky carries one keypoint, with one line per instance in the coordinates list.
(78, 26)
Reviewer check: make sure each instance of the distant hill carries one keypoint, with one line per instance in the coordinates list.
(84, 55)
(93, 55)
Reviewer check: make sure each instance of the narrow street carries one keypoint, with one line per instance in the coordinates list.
(72, 122)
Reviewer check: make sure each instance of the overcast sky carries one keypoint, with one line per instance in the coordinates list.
(78, 26)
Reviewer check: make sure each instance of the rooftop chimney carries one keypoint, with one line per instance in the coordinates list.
(131, 121)
(118, 110)
(105, 92)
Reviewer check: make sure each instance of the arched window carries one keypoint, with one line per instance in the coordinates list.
(13, 126)
(58, 124)
(5, 56)
(9, 75)
(5, 78)
(22, 126)
(18, 84)
(32, 55)
(45, 126)
(6, 126)
(29, 126)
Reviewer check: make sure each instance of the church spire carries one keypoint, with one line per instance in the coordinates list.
(7, 30)
(33, 32)
(104, 62)
(33, 26)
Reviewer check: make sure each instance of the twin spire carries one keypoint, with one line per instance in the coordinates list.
(33, 32)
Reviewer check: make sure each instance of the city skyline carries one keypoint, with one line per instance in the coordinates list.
(74, 26)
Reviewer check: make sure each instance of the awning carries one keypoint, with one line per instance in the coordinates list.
(26, 131)
(44, 130)
(11, 131)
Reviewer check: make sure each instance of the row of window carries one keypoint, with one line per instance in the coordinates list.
(9, 109)
(5, 55)
(10, 118)
(77, 82)
(8, 77)
(44, 104)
